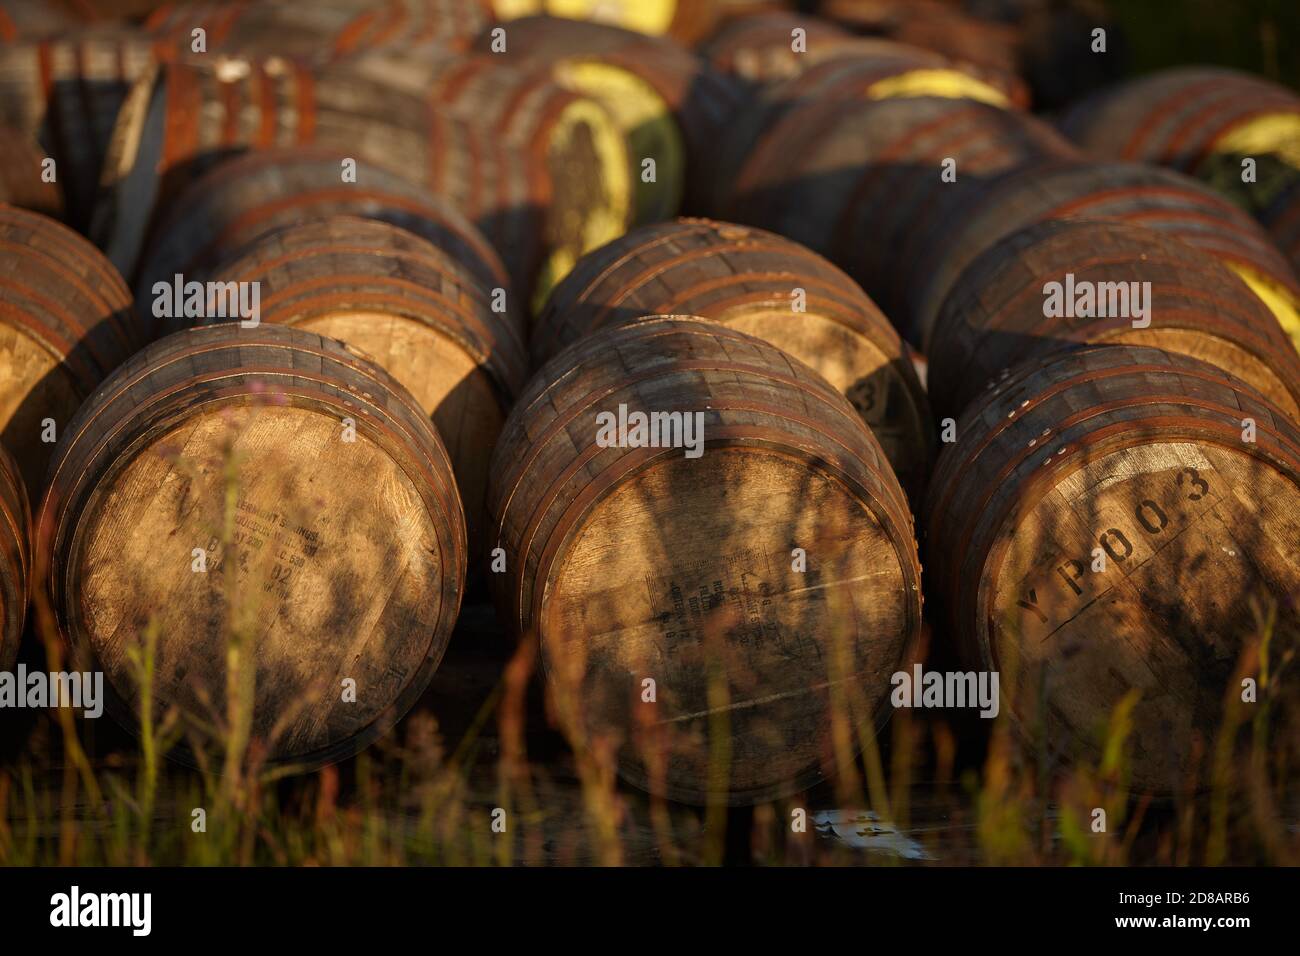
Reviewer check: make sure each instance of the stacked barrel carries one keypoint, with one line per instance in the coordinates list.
(680, 566)
(669, 324)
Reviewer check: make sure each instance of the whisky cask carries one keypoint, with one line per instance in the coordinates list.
(670, 104)
(1203, 121)
(23, 182)
(865, 69)
(260, 192)
(65, 323)
(413, 309)
(631, 563)
(1159, 199)
(65, 92)
(763, 285)
(683, 20)
(871, 177)
(1101, 527)
(264, 496)
(182, 120)
(15, 558)
(320, 31)
(1000, 312)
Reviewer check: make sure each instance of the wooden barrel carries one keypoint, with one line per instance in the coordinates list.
(1159, 199)
(22, 179)
(750, 280)
(868, 180)
(260, 192)
(684, 20)
(15, 558)
(65, 323)
(670, 105)
(1203, 121)
(65, 93)
(759, 48)
(412, 308)
(265, 496)
(643, 563)
(320, 31)
(864, 69)
(1134, 455)
(999, 313)
(185, 118)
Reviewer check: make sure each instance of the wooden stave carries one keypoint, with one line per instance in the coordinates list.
(847, 70)
(326, 31)
(66, 299)
(984, 43)
(687, 20)
(867, 215)
(516, 100)
(520, 507)
(611, 286)
(1154, 197)
(700, 99)
(962, 536)
(65, 91)
(393, 272)
(244, 198)
(756, 48)
(21, 181)
(22, 20)
(15, 558)
(995, 297)
(1282, 220)
(335, 377)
